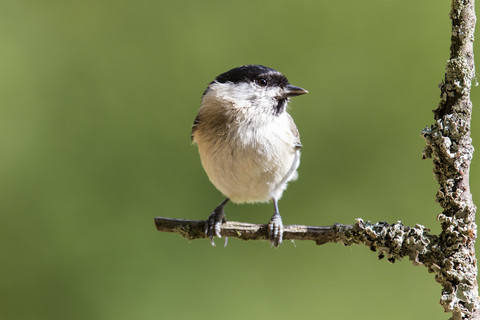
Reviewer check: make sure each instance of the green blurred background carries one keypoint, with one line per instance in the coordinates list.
(97, 100)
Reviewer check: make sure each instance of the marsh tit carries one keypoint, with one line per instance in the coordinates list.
(248, 143)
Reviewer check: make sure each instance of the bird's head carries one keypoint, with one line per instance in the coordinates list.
(254, 87)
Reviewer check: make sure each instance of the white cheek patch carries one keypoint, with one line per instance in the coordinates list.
(247, 95)
(236, 92)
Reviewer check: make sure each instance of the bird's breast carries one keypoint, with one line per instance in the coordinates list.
(248, 162)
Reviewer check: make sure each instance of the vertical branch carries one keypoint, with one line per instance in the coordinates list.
(448, 142)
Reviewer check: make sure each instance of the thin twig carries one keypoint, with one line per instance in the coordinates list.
(195, 229)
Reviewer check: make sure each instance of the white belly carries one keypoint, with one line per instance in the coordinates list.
(249, 170)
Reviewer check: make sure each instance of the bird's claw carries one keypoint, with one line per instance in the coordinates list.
(275, 230)
(213, 225)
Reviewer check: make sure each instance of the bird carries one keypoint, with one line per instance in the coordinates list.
(248, 143)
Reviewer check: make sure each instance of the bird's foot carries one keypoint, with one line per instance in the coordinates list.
(275, 230)
(213, 224)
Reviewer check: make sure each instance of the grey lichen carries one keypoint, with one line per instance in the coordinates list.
(461, 75)
(394, 241)
(449, 144)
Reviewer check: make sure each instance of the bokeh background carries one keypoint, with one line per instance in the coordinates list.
(97, 99)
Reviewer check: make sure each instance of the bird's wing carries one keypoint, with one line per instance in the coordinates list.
(194, 126)
(297, 144)
(292, 174)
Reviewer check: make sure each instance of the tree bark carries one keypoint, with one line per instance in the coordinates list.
(448, 142)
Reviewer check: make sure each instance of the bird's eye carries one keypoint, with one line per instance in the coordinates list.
(262, 82)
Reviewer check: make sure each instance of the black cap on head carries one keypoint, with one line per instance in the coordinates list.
(250, 73)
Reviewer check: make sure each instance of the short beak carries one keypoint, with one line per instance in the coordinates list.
(292, 91)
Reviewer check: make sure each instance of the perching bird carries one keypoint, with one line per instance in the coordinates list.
(248, 143)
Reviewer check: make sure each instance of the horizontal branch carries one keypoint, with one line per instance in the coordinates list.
(195, 229)
(393, 241)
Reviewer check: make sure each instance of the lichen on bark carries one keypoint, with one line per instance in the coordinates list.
(449, 144)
